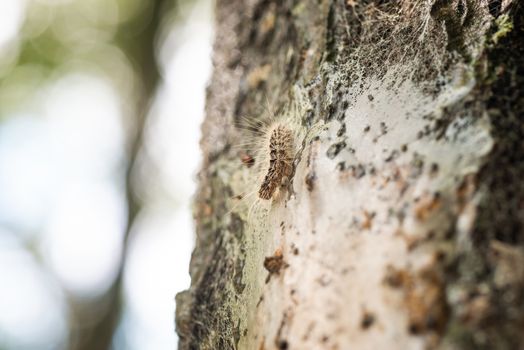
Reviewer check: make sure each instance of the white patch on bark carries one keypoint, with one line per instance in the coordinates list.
(383, 201)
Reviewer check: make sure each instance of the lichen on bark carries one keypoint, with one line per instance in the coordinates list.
(404, 226)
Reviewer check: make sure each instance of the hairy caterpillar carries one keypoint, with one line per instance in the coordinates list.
(276, 144)
(281, 155)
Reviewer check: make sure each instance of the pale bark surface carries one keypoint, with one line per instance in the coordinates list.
(403, 228)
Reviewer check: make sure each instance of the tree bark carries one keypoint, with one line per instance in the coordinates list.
(402, 226)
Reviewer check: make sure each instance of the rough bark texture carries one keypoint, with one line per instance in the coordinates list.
(403, 227)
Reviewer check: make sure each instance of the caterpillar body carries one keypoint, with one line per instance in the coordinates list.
(281, 155)
(276, 144)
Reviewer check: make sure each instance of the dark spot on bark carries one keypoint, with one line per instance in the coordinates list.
(359, 171)
(383, 128)
(310, 181)
(414, 329)
(342, 130)
(404, 148)
(283, 345)
(394, 278)
(393, 155)
(367, 220)
(341, 166)
(431, 323)
(417, 165)
(273, 264)
(433, 170)
(440, 256)
(370, 97)
(367, 128)
(335, 149)
(367, 320)
(332, 110)
(260, 300)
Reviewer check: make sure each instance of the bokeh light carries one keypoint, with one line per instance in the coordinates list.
(13, 12)
(33, 313)
(100, 109)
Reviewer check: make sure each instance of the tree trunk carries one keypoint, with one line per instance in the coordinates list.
(401, 223)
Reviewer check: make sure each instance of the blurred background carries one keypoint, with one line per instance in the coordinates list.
(100, 109)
